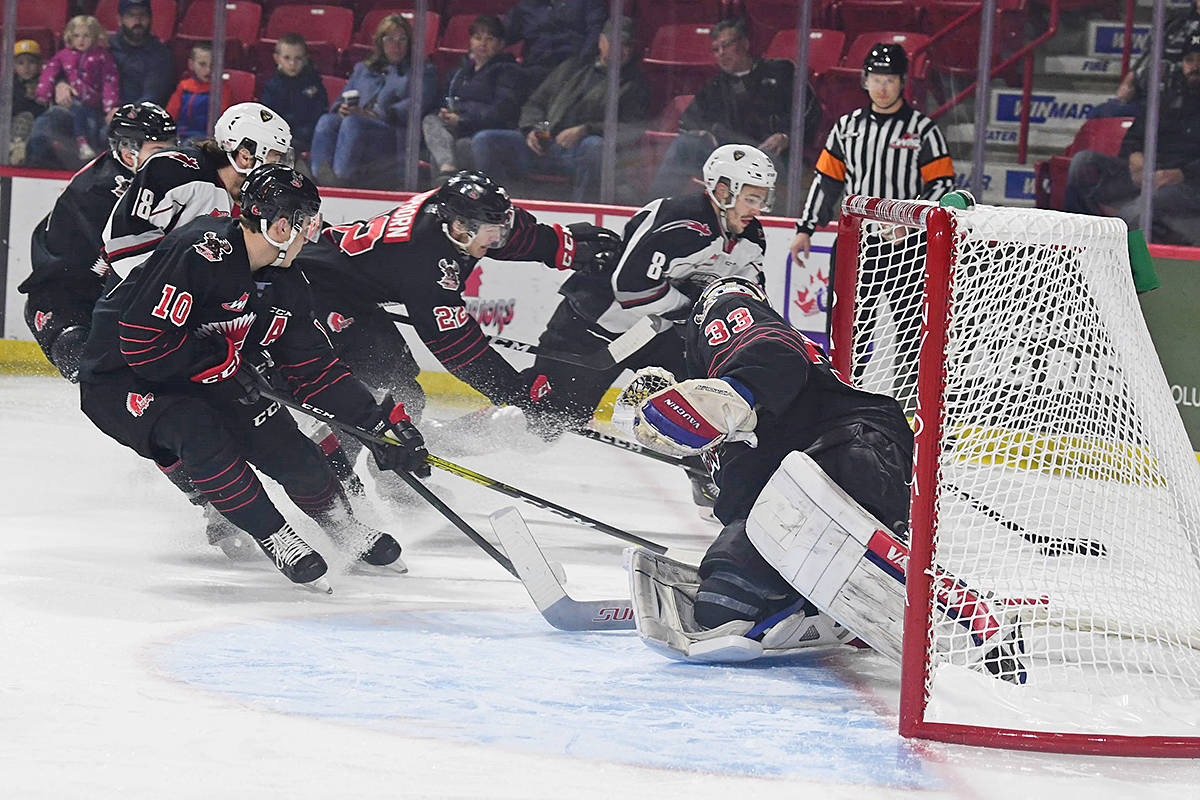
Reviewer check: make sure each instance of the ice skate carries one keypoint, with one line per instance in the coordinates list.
(296, 560)
(369, 546)
(234, 542)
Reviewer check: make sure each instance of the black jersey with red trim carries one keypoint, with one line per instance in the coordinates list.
(797, 392)
(406, 256)
(172, 188)
(65, 248)
(674, 247)
(173, 320)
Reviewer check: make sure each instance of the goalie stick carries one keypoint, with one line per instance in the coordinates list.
(426, 494)
(560, 609)
(1047, 545)
(619, 349)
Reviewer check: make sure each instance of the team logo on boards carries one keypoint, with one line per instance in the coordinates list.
(136, 404)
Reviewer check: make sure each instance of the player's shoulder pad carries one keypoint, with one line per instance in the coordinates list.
(686, 217)
(754, 233)
(171, 167)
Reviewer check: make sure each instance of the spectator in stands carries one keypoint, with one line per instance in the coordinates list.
(748, 102)
(296, 92)
(554, 31)
(27, 67)
(82, 78)
(561, 126)
(189, 104)
(1131, 93)
(145, 64)
(482, 93)
(362, 139)
(1111, 185)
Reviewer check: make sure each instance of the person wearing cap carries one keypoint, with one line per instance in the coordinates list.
(553, 32)
(561, 126)
(27, 66)
(748, 102)
(1112, 185)
(145, 65)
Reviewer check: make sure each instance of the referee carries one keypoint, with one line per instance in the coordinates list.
(887, 150)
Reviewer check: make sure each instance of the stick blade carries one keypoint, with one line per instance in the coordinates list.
(559, 608)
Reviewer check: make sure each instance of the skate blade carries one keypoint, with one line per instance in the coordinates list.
(397, 567)
(317, 586)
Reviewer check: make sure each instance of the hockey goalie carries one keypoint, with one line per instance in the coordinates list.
(814, 496)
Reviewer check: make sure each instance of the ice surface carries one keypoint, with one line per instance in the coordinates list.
(135, 661)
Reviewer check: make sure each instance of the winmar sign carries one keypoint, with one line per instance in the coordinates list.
(1067, 110)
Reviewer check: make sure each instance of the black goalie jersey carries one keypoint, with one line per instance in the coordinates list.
(674, 247)
(406, 256)
(184, 317)
(171, 189)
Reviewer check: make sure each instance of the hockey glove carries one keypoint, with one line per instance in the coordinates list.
(540, 416)
(587, 248)
(695, 416)
(408, 454)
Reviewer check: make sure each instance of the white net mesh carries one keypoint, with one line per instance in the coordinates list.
(1067, 485)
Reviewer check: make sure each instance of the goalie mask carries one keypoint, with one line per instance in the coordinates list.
(134, 124)
(734, 284)
(276, 190)
(256, 129)
(479, 204)
(738, 165)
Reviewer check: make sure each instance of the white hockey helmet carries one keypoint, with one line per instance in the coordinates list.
(739, 165)
(730, 284)
(256, 128)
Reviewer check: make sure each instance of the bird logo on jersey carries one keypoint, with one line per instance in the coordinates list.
(182, 158)
(40, 319)
(237, 305)
(337, 323)
(136, 404)
(233, 329)
(214, 248)
(450, 278)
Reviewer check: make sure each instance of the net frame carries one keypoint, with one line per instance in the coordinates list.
(860, 216)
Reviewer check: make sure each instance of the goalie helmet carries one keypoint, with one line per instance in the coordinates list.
(258, 130)
(272, 191)
(134, 124)
(739, 165)
(734, 284)
(473, 199)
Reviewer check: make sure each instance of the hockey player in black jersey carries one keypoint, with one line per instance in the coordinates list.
(758, 389)
(68, 268)
(169, 372)
(198, 180)
(421, 253)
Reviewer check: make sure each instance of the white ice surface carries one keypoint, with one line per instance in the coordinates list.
(136, 662)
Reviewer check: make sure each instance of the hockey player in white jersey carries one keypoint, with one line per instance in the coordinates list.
(203, 179)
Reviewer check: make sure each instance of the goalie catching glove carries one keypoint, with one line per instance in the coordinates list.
(587, 248)
(408, 453)
(695, 416)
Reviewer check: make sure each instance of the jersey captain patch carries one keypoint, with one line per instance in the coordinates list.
(450, 277)
(214, 248)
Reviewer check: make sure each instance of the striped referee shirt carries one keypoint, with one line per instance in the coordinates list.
(901, 156)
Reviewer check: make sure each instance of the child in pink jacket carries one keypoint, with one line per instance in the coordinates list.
(83, 78)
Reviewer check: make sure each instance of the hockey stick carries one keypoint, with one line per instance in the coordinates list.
(426, 494)
(559, 608)
(512, 491)
(634, 447)
(1047, 545)
(617, 350)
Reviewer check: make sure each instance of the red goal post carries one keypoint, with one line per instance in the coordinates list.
(1051, 472)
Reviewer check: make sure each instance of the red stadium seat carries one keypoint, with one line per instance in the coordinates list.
(864, 16)
(241, 21)
(239, 86)
(824, 48)
(162, 17)
(333, 86)
(958, 52)
(497, 8)
(316, 23)
(432, 23)
(651, 16)
(765, 18)
(49, 14)
(680, 61)
(1102, 135)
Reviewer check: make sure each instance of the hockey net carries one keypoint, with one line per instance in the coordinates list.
(1052, 473)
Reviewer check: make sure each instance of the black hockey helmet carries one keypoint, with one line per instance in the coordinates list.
(473, 199)
(730, 284)
(134, 124)
(886, 59)
(272, 191)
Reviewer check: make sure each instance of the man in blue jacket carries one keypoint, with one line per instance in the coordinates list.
(144, 63)
(553, 31)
